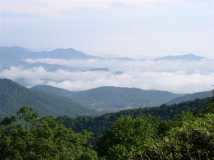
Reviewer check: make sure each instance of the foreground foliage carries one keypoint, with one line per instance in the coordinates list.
(190, 136)
(29, 137)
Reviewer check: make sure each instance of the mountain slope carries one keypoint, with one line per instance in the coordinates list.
(113, 98)
(17, 55)
(184, 57)
(101, 124)
(14, 96)
(69, 53)
(191, 97)
(13, 55)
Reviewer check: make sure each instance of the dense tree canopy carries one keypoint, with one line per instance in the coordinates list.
(189, 136)
(99, 125)
(128, 136)
(29, 137)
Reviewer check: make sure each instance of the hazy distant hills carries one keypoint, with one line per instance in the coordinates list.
(191, 97)
(12, 55)
(16, 55)
(13, 96)
(112, 98)
(20, 52)
(184, 57)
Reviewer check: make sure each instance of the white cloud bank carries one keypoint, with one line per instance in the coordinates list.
(202, 67)
(176, 76)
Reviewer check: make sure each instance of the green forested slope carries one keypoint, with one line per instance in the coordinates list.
(27, 136)
(13, 96)
(100, 124)
(187, 138)
(109, 99)
(191, 97)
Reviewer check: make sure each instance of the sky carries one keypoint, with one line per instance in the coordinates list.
(128, 28)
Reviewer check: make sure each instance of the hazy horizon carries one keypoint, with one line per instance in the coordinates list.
(124, 28)
(111, 55)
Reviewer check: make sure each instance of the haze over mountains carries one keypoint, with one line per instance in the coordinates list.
(74, 70)
(185, 57)
(9, 55)
(191, 97)
(17, 55)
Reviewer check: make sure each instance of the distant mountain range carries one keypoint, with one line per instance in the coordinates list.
(191, 97)
(108, 99)
(13, 96)
(184, 57)
(18, 56)
(48, 100)
(15, 55)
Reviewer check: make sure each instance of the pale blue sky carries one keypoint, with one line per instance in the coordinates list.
(133, 28)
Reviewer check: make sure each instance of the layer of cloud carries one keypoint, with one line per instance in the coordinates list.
(176, 76)
(201, 67)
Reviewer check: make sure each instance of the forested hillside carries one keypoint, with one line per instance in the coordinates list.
(189, 136)
(13, 96)
(191, 97)
(26, 136)
(111, 99)
(100, 124)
